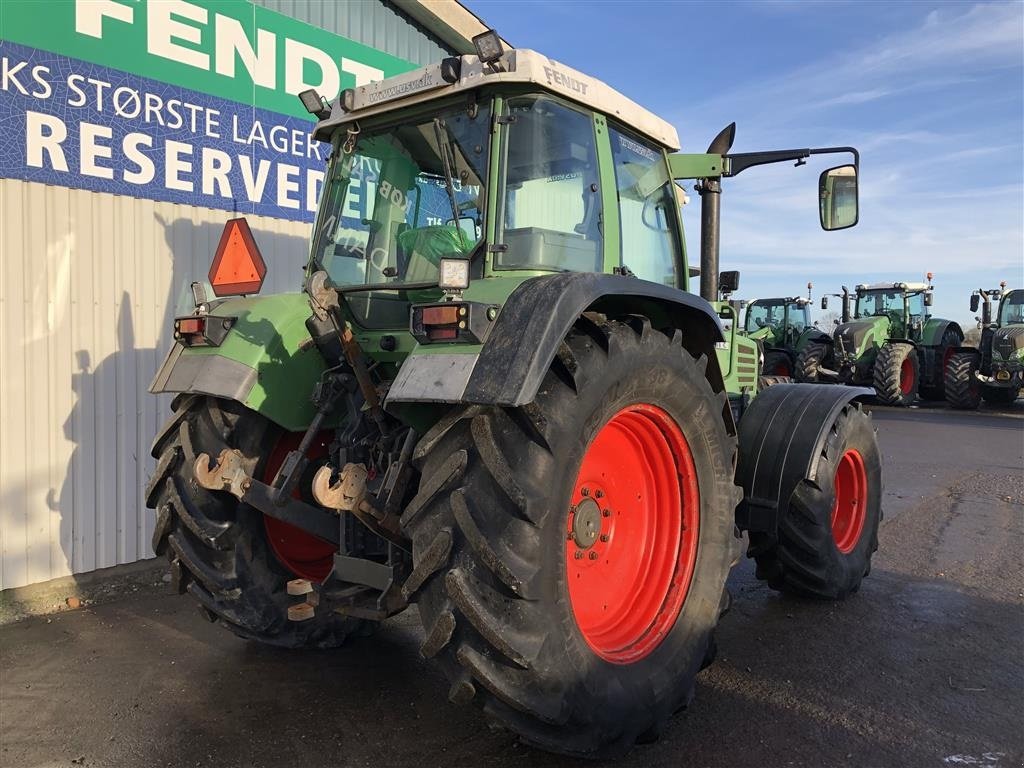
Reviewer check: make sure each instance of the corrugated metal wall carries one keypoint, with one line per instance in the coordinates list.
(372, 23)
(89, 283)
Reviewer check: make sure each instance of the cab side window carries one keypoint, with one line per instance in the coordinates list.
(551, 202)
(648, 224)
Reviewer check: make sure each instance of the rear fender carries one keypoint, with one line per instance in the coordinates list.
(934, 328)
(781, 437)
(508, 369)
(267, 361)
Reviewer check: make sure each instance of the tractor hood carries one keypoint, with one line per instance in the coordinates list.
(851, 337)
(1008, 342)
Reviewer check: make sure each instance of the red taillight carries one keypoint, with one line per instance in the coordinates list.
(190, 325)
(442, 334)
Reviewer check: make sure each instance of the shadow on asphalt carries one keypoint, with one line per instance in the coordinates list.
(908, 672)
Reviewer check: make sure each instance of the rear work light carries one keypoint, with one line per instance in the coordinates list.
(460, 321)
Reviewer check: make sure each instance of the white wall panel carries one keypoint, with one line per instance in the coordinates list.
(89, 284)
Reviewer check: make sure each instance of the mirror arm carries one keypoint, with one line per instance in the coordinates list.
(737, 163)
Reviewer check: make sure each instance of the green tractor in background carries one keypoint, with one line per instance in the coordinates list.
(782, 327)
(498, 399)
(995, 370)
(891, 343)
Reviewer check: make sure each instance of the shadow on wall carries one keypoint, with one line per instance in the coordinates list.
(103, 518)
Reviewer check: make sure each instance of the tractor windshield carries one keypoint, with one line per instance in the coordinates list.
(399, 198)
(887, 302)
(1011, 308)
(773, 313)
(761, 314)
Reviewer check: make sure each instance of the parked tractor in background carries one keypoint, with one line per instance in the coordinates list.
(498, 399)
(892, 344)
(782, 327)
(995, 370)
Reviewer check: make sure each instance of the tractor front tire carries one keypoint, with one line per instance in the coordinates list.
(962, 388)
(809, 362)
(777, 363)
(570, 556)
(217, 546)
(1000, 395)
(897, 374)
(828, 531)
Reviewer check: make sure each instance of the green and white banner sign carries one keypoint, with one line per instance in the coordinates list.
(191, 101)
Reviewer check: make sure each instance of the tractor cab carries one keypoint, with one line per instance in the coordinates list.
(903, 305)
(474, 170)
(778, 321)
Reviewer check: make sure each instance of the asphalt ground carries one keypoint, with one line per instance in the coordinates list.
(923, 667)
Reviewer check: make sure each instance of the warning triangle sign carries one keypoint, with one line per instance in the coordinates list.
(238, 266)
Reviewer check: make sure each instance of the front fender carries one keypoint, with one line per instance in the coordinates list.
(537, 315)
(267, 361)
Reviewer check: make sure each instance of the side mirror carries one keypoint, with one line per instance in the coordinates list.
(838, 206)
(824, 302)
(728, 281)
(928, 298)
(975, 300)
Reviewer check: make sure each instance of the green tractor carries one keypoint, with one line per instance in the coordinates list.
(995, 370)
(782, 327)
(891, 343)
(496, 398)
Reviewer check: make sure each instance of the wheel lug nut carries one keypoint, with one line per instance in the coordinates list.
(578, 555)
(606, 512)
(604, 537)
(584, 491)
(593, 555)
(599, 494)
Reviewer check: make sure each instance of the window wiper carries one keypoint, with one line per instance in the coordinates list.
(443, 148)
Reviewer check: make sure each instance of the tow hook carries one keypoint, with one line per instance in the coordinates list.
(349, 494)
(227, 474)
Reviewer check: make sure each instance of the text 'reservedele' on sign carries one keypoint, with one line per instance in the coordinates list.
(238, 265)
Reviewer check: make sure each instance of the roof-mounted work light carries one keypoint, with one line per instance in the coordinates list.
(315, 104)
(488, 47)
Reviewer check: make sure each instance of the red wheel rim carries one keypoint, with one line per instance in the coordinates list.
(850, 507)
(632, 534)
(906, 376)
(300, 552)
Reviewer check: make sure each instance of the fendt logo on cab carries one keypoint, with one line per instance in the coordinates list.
(566, 81)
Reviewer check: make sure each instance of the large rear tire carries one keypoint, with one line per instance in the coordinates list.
(217, 546)
(896, 374)
(777, 363)
(963, 390)
(810, 361)
(529, 534)
(828, 531)
(951, 339)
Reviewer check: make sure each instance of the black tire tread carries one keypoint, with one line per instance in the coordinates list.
(216, 546)
(482, 624)
(962, 391)
(887, 370)
(809, 360)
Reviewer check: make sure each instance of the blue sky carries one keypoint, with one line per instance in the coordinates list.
(931, 93)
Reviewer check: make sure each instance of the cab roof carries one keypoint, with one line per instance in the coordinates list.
(895, 287)
(520, 67)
